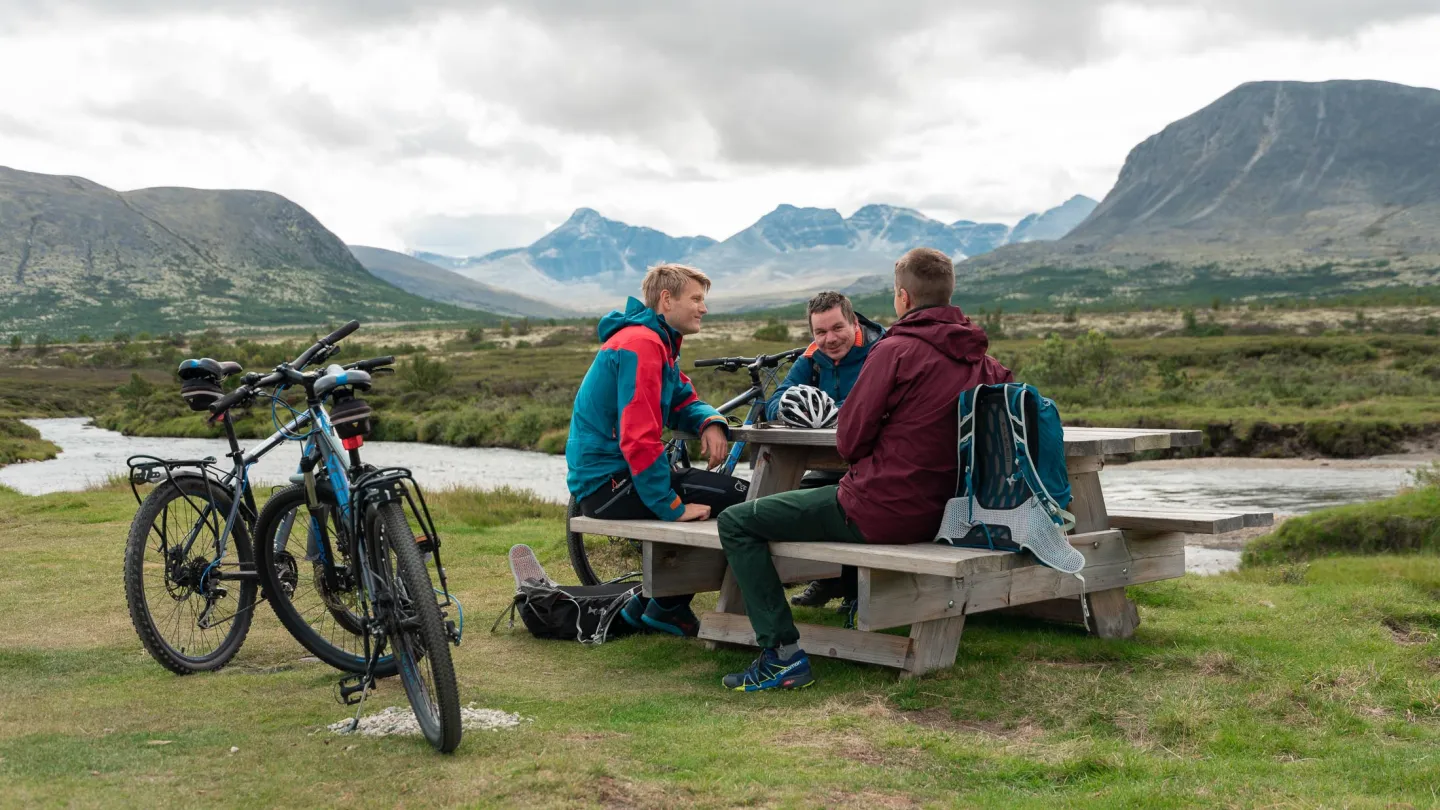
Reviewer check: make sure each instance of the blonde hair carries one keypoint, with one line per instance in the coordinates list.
(928, 275)
(672, 277)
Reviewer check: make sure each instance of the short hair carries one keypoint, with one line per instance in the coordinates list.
(672, 277)
(828, 300)
(928, 275)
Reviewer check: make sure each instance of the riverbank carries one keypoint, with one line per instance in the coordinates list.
(1240, 689)
(21, 442)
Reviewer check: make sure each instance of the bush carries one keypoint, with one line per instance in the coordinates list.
(422, 374)
(773, 331)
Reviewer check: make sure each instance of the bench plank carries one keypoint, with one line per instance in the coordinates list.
(1192, 521)
(892, 599)
(919, 558)
(831, 642)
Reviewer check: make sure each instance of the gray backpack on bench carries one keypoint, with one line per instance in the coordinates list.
(1010, 442)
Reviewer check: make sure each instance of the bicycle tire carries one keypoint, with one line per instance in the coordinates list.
(420, 641)
(148, 625)
(314, 623)
(598, 558)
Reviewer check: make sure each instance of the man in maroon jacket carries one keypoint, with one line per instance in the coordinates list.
(898, 432)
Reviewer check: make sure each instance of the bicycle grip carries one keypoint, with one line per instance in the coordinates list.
(374, 362)
(341, 333)
(226, 402)
(714, 361)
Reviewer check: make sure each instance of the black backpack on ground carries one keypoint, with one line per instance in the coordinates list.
(584, 613)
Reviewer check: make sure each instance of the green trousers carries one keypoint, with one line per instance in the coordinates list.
(799, 516)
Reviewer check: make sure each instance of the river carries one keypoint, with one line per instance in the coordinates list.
(89, 455)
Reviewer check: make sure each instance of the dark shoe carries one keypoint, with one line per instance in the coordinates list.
(633, 611)
(769, 672)
(678, 621)
(818, 593)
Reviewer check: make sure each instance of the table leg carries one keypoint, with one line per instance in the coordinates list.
(778, 468)
(1112, 615)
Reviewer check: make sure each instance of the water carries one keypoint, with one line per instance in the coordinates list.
(89, 455)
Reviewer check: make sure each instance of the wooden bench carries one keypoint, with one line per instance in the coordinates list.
(931, 588)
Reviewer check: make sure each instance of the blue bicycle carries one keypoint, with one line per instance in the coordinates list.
(599, 558)
(342, 556)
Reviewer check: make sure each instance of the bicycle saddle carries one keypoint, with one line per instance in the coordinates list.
(205, 367)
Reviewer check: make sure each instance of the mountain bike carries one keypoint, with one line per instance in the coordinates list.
(599, 558)
(190, 578)
(340, 557)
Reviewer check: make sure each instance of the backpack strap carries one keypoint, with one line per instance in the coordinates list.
(1015, 394)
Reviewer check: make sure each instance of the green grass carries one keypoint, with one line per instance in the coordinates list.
(1408, 523)
(20, 442)
(1240, 690)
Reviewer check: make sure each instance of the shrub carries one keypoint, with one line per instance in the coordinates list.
(422, 374)
(773, 331)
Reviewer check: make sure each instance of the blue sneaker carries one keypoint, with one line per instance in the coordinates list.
(633, 610)
(769, 672)
(677, 621)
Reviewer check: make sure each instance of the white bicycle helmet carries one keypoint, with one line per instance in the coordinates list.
(806, 406)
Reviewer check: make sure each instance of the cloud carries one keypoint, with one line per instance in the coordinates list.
(475, 234)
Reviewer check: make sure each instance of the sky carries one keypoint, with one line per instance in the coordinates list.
(463, 126)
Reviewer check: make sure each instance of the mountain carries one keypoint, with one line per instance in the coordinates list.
(428, 281)
(77, 256)
(1270, 176)
(1053, 224)
(790, 252)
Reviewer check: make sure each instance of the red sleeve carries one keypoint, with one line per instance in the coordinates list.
(867, 404)
(640, 419)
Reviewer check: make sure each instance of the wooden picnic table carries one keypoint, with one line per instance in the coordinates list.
(783, 454)
(930, 587)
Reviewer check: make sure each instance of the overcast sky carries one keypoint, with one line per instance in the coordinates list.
(463, 126)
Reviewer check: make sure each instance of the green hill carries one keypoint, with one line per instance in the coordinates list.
(76, 256)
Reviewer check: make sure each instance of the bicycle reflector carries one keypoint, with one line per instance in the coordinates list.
(351, 418)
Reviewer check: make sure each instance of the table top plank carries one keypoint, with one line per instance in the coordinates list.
(1079, 441)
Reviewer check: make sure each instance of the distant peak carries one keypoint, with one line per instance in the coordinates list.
(582, 214)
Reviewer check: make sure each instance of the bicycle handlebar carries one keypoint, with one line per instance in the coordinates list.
(737, 363)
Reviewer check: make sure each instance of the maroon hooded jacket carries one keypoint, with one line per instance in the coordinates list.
(898, 426)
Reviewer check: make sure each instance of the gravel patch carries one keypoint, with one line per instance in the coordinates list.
(401, 720)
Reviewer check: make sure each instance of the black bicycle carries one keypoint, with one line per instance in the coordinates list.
(599, 558)
(190, 577)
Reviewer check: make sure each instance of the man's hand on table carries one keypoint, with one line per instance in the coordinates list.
(714, 446)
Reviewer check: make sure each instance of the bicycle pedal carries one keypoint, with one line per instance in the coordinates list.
(424, 543)
(351, 689)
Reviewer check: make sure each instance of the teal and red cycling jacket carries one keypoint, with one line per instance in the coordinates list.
(633, 390)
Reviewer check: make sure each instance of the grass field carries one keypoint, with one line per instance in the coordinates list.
(1268, 688)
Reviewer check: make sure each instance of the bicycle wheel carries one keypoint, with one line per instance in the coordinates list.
(325, 617)
(417, 629)
(187, 616)
(599, 558)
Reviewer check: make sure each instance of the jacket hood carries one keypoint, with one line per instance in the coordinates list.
(637, 314)
(947, 329)
(872, 331)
